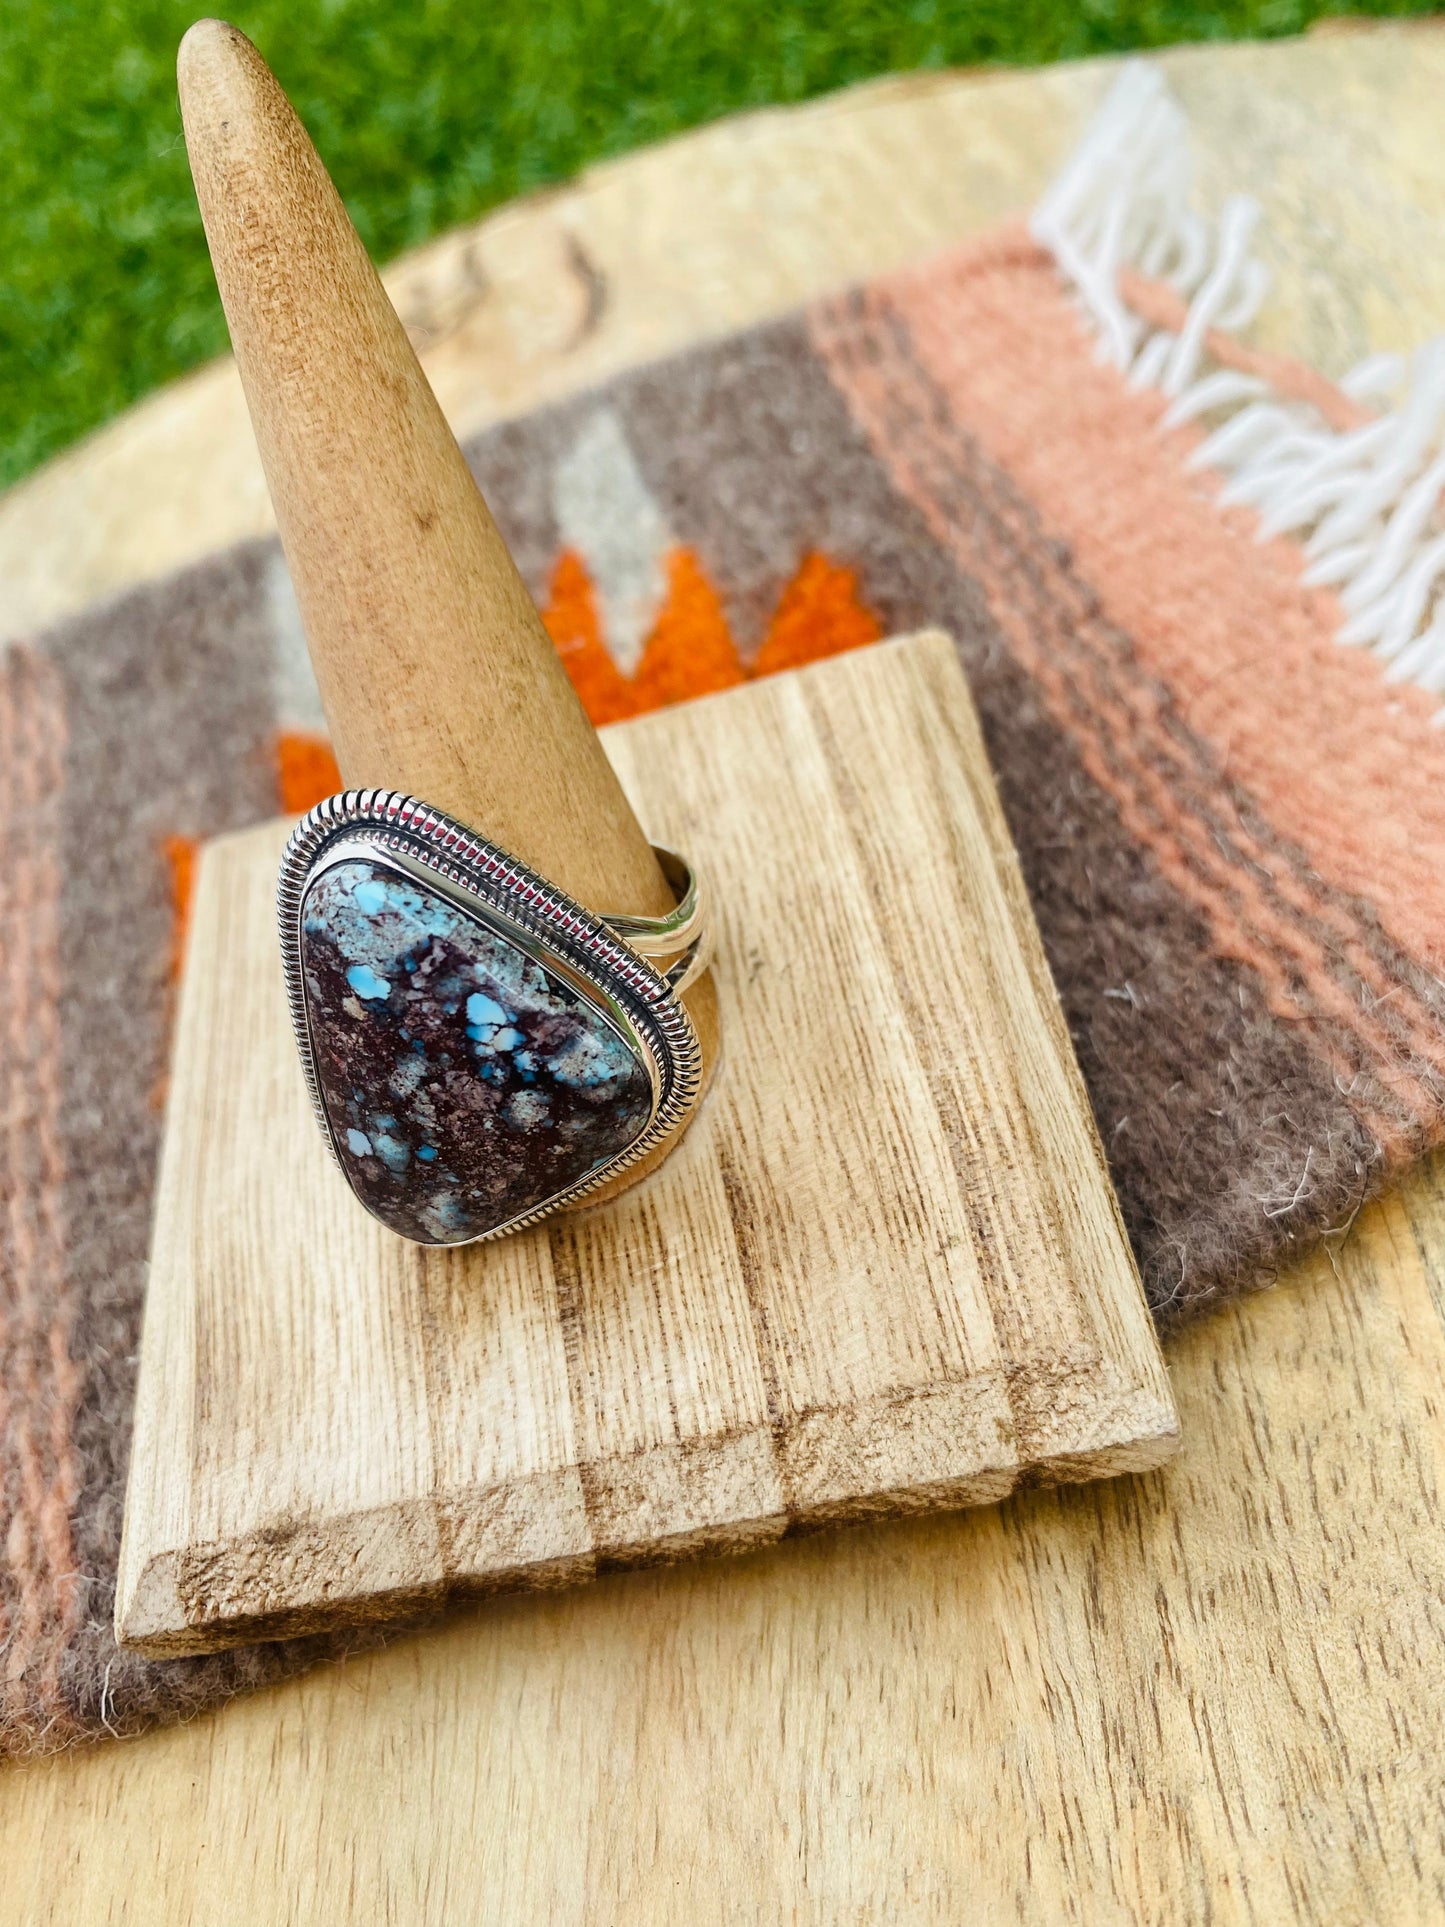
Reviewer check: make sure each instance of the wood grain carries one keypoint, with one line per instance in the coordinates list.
(853, 1291)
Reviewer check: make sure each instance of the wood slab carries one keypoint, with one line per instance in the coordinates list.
(883, 1273)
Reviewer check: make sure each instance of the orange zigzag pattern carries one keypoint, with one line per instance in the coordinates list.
(690, 652)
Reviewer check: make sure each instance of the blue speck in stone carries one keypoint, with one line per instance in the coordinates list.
(365, 982)
(589, 1060)
(370, 897)
(491, 1038)
(482, 1009)
(393, 1153)
(360, 1143)
(407, 1073)
(443, 1214)
(410, 963)
(426, 1152)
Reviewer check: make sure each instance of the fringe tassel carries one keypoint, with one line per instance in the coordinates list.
(1362, 489)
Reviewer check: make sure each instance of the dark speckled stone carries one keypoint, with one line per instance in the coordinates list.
(465, 1084)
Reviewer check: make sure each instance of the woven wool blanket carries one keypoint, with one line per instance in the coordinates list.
(1153, 549)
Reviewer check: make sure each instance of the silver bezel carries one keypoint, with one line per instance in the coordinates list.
(500, 893)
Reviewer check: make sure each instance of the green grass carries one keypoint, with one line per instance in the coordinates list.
(427, 112)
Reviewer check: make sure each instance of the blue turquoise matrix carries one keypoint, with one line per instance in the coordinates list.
(465, 1083)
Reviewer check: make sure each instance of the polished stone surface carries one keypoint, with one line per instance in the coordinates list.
(464, 1082)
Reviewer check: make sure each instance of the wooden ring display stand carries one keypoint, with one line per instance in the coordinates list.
(884, 1269)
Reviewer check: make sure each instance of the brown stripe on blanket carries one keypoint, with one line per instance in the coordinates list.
(39, 1380)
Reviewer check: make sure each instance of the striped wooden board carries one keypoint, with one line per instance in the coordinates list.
(883, 1273)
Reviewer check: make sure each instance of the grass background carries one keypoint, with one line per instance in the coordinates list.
(427, 112)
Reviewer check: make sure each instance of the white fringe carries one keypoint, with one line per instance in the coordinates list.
(1367, 502)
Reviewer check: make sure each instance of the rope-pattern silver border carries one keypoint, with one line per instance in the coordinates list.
(501, 883)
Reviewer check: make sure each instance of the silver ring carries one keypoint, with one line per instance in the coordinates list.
(480, 1050)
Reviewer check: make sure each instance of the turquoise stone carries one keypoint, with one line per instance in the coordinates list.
(465, 1083)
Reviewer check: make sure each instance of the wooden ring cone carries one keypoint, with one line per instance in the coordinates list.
(435, 671)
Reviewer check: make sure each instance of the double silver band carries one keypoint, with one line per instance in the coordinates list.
(678, 945)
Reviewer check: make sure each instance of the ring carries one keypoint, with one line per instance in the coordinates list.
(480, 1050)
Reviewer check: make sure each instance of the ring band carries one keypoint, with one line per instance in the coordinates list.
(682, 939)
(480, 1049)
